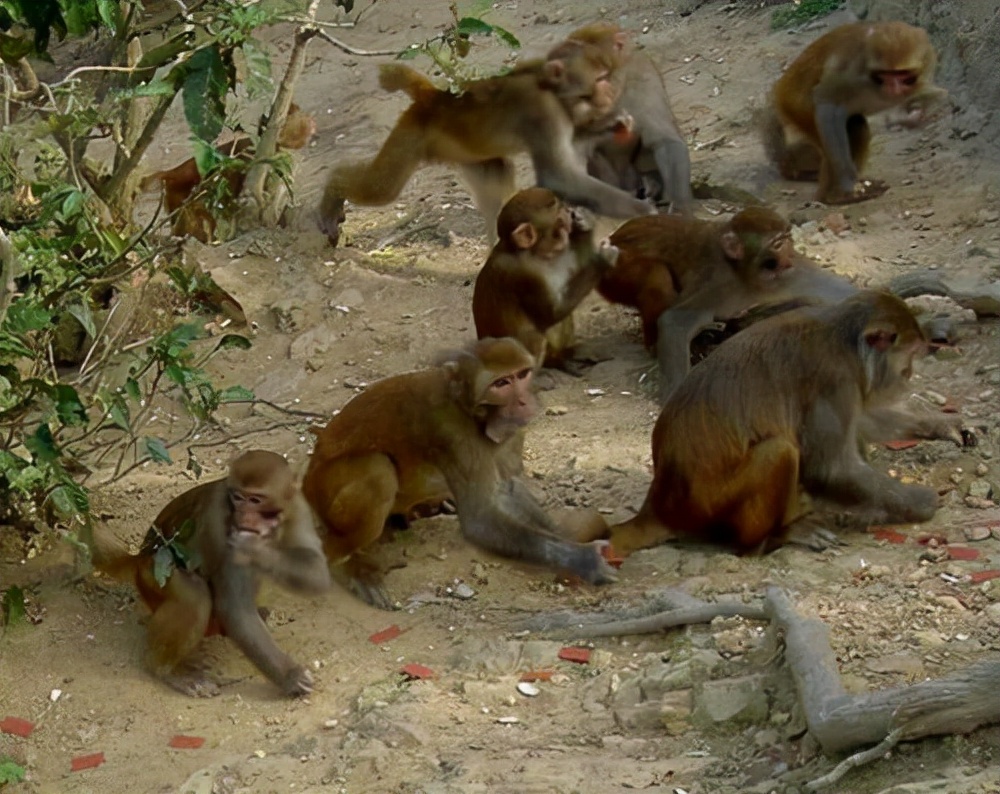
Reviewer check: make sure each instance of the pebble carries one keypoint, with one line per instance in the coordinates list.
(462, 590)
(934, 397)
(527, 689)
(976, 533)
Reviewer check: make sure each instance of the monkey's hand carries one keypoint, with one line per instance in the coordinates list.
(583, 219)
(299, 681)
(598, 571)
(249, 548)
(607, 253)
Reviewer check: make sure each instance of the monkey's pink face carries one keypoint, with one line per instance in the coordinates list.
(253, 513)
(556, 240)
(514, 404)
(896, 83)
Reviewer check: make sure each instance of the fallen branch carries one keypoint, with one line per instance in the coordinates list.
(982, 297)
(839, 721)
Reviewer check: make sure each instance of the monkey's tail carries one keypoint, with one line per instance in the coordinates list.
(110, 557)
(772, 135)
(151, 182)
(398, 77)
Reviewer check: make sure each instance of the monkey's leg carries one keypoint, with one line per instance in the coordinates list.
(643, 531)
(491, 183)
(176, 628)
(675, 329)
(674, 164)
(363, 492)
(580, 524)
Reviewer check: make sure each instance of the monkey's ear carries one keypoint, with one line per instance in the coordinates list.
(880, 339)
(732, 245)
(524, 236)
(554, 72)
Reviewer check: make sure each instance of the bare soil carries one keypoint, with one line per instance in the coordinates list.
(326, 322)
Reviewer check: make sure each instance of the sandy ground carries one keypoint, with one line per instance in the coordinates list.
(327, 322)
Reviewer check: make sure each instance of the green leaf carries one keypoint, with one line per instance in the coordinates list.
(409, 54)
(507, 37)
(258, 78)
(206, 158)
(42, 446)
(69, 406)
(14, 48)
(163, 565)
(118, 413)
(73, 204)
(233, 394)
(24, 315)
(468, 26)
(110, 13)
(156, 449)
(62, 501)
(132, 389)
(233, 342)
(177, 374)
(13, 607)
(204, 93)
(155, 87)
(80, 309)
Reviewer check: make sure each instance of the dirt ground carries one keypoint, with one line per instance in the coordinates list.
(328, 322)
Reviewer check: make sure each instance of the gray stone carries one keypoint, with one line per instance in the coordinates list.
(740, 701)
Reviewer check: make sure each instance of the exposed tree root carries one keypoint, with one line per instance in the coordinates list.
(839, 722)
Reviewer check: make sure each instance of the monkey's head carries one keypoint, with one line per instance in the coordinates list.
(535, 220)
(580, 75)
(900, 58)
(888, 339)
(260, 486)
(758, 243)
(491, 381)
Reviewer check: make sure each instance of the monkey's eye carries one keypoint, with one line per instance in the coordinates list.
(769, 264)
(501, 383)
(270, 515)
(524, 373)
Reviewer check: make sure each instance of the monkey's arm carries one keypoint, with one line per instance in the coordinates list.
(512, 523)
(675, 330)
(234, 591)
(832, 467)
(892, 423)
(301, 568)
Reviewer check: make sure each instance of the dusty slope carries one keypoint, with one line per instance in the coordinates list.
(330, 321)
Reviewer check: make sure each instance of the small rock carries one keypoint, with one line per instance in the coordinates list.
(527, 689)
(556, 410)
(976, 533)
(462, 590)
(980, 489)
(934, 397)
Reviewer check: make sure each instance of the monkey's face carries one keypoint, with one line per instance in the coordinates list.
(510, 404)
(896, 83)
(774, 257)
(888, 353)
(253, 513)
(554, 225)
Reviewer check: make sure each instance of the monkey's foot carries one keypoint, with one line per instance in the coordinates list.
(814, 538)
(863, 190)
(331, 214)
(192, 685)
(600, 572)
(364, 579)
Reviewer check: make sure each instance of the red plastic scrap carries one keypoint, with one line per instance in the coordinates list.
(417, 671)
(902, 444)
(182, 742)
(977, 577)
(82, 762)
(16, 726)
(611, 557)
(531, 676)
(574, 654)
(385, 635)
(962, 553)
(890, 535)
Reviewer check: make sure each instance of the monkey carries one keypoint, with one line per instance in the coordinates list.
(193, 218)
(544, 264)
(531, 109)
(777, 414)
(682, 274)
(815, 125)
(416, 438)
(215, 542)
(652, 158)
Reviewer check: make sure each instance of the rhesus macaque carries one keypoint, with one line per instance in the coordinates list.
(178, 183)
(417, 438)
(543, 266)
(651, 157)
(683, 274)
(219, 538)
(816, 126)
(531, 109)
(781, 409)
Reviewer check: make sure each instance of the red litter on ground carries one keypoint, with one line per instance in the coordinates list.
(962, 553)
(977, 577)
(82, 762)
(898, 445)
(385, 635)
(182, 742)
(531, 676)
(16, 726)
(890, 535)
(573, 654)
(610, 557)
(417, 671)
